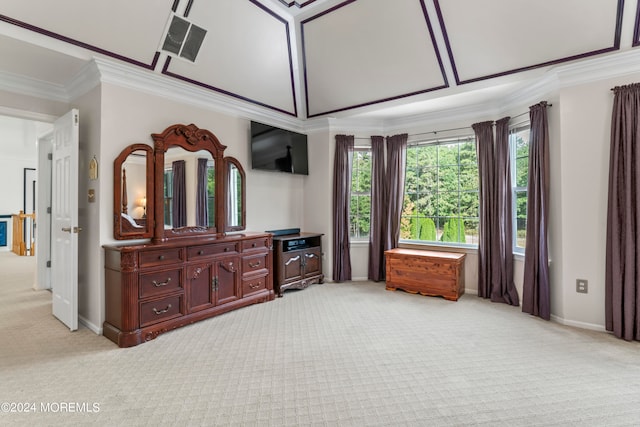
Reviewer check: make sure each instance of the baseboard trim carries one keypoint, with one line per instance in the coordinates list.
(85, 322)
(577, 324)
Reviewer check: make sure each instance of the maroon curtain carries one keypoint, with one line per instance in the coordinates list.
(341, 207)
(378, 205)
(495, 249)
(179, 195)
(396, 167)
(202, 214)
(535, 289)
(622, 293)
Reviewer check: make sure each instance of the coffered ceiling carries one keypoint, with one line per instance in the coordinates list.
(318, 58)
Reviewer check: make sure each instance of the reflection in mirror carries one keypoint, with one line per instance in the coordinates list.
(189, 189)
(235, 195)
(132, 191)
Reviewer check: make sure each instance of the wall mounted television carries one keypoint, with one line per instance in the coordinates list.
(280, 150)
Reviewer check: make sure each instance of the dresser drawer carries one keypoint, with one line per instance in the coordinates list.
(160, 257)
(255, 244)
(252, 285)
(160, 282)
(253, 263)
(162, 309)
(203, 251)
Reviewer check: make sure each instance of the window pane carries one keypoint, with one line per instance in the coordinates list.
(436, 209)
(522, 171)
(448, 155)
(360, 209)
(427, 155)
(448, 178)
(521, 218)
(519, 139)
(471, 231)
(468, 178)
(468, 153)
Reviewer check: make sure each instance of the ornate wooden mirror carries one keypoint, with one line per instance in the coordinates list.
(133, 207)
(192, 159)
(188, 188)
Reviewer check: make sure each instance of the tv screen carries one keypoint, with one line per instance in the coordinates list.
(278, 149)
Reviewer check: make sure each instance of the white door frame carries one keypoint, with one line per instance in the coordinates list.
(43, 213)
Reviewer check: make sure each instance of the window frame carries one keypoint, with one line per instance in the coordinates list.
(359, 149)
(458, 140)
(513, 160)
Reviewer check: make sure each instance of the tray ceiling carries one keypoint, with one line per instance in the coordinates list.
(320, 58)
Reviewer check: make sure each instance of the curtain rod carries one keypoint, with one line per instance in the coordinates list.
(435, 132)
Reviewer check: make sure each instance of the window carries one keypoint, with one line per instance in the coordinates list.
(211, 193)
(441, 192)
(360, 209)
(168, 197)
(519, 144)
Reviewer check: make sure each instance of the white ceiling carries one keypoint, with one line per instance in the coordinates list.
(368, 59)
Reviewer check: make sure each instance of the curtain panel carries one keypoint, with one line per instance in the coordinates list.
(396, 168)
(202, 214)
(495, 248)
(378, 210)
(341, 207)
(179, 195)
(535, 288)
(622, 273)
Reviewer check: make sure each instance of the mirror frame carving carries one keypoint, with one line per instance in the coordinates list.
(118, 187)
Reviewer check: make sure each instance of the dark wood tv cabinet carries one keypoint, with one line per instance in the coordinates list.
(156, 287)
(297, 261)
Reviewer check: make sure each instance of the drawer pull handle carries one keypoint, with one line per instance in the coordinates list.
(254, 264)
(253, 245)
(252, 286)
(200, 252)
(159, 284)
(164, 310)
(294, 259)
(161, 257)
(226, 249)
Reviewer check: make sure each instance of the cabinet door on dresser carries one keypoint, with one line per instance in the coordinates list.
(226, 279)
(201, 288)
(212, 283)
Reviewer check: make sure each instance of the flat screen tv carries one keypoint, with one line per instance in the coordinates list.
(280, 150)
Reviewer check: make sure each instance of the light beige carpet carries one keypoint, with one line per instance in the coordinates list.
(333, 354)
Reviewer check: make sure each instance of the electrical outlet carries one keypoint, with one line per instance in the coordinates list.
(582, 286)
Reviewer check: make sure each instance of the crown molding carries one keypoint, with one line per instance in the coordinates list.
(32, 87)
(100, 70)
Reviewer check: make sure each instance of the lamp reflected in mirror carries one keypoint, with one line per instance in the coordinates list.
(143, 205)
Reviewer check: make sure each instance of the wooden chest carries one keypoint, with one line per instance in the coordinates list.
(425, 272)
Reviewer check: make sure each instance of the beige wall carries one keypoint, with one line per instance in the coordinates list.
(113, 117)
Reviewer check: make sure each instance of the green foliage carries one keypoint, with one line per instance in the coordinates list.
(427, 230)
(453, 231)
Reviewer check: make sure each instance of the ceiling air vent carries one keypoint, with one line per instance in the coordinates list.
(183, 38)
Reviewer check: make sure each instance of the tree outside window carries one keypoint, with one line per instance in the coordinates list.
(360, 209)
(519, 145)
(441, 192)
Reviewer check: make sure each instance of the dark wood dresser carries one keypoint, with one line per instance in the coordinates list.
(154, 288)
(425, 272)
(298, 261)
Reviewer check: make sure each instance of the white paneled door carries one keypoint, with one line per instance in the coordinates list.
(64, 220)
